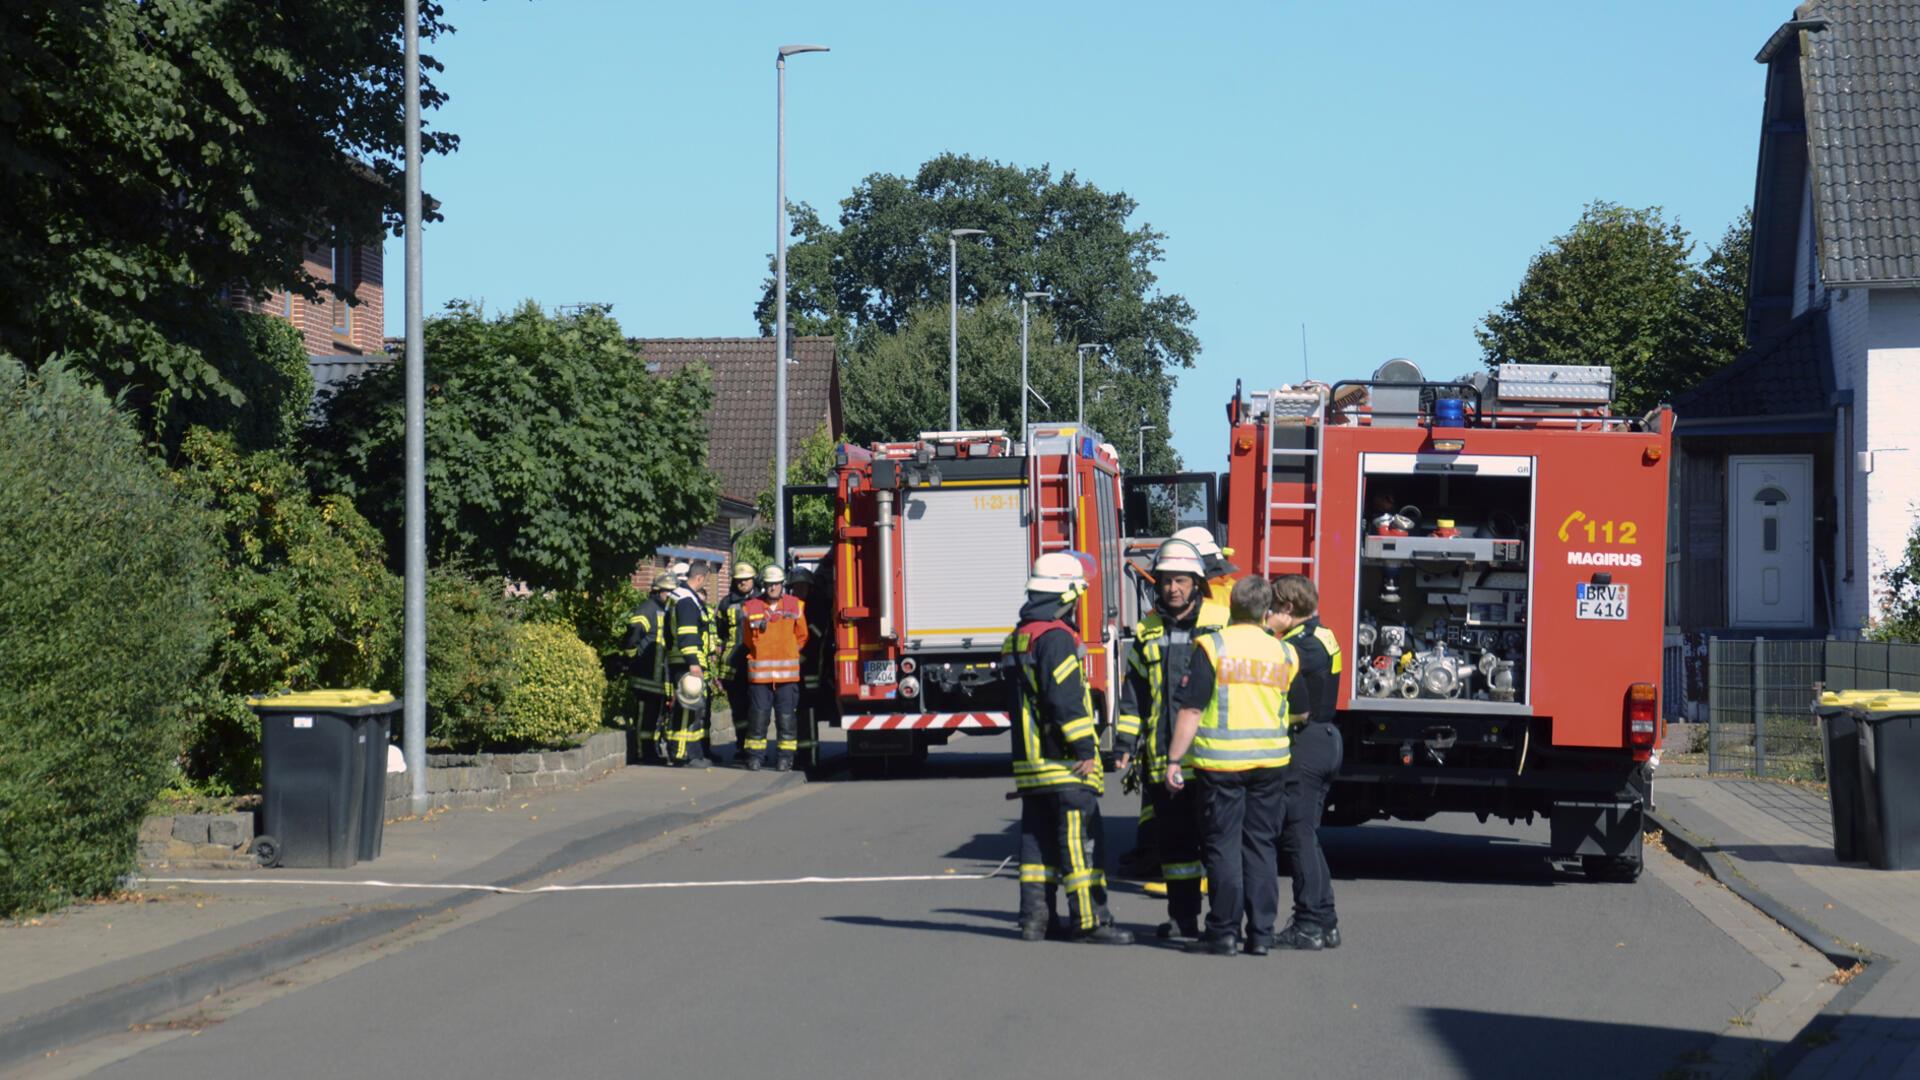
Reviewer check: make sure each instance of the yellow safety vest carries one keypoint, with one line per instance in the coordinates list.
(1245, 725)
(1325, 637)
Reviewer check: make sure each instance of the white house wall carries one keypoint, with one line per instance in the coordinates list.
(1886, 402)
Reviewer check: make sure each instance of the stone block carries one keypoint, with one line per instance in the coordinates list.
(520, 781)
(574, 760)
(518, 763)
(231, 830)
(212, 851)
(546, 780)
(155, 830)
(438, 781)
(151, 850)
(190, 828)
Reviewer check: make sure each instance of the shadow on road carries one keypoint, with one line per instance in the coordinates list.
(1004, 931)
(1488, 1044)
(1390, 853)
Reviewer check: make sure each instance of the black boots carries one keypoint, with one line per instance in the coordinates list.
(1301, 936)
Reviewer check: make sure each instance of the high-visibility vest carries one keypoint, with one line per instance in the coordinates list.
(1245, 725)
(776, 632)
(1325, 637)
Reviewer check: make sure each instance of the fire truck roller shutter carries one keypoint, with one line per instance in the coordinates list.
(964, 552)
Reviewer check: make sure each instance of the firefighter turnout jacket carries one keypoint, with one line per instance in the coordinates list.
(646, 646)
(729, 638)
(691, 640)
(1162, 650)
(1239, 680)
(1316, 689)
(1054, 725)
(775, 636)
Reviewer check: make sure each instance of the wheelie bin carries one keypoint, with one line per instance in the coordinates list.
(1846, 792)
(1889, 734)
(317, 749)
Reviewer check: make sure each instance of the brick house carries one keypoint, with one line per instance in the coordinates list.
(741, 428)
(1797, 467)
(343, 339)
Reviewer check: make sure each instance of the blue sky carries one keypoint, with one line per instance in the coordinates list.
(1379, 171)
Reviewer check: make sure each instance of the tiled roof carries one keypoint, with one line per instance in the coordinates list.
(740, 439)
(1789, 374)
(1861, 78)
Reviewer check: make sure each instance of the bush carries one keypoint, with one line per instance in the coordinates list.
(557, 688)
(600, 619)
(104, 625)
(470, 644)
(304, 594)
(1899, 616)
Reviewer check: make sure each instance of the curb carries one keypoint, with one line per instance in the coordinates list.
(1699, 855)
(111, 1011)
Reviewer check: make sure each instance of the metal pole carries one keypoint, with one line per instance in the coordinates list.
(1759, 708)
(1080, 412)
(1023, 370)
(953, 333)
(414, 650)
(780, 321)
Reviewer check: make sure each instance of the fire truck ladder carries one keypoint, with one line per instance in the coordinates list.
(1055, 493)
(1303, 407)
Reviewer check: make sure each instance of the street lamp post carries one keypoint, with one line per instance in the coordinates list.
(953, 323)
(1081, 350)
(1144, 428)
(780, 306)
(1025, 299)
(413, 653)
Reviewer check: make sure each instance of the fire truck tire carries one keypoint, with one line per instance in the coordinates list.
(1622, 869)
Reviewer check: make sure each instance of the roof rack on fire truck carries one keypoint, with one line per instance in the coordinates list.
(950, 444)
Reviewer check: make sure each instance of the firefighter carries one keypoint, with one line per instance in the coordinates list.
(646, 645)
(1056, 764)
(1231, 731)
(1163, 645)
(689, 651)
(729, 666)
(775, 626)
(1317, 752)
(1220, 568)
(816, 686)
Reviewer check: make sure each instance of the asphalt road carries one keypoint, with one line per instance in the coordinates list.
(1465, 955)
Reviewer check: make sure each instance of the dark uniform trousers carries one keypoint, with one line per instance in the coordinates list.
(1317, 752)
(651, 706)
(780, 702)
(741, 703)
(1241, 849)
(1062, 845)
(1177, 831)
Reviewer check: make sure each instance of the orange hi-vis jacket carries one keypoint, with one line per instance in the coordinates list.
(775, 632)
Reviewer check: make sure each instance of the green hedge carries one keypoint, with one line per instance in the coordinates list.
(556, 690)
(470, 644)
(104, 626)
(600, 619)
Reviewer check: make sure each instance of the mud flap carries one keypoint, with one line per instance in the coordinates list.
(1609, 828)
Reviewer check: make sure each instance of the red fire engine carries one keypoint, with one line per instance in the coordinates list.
(933, 540)
(1491, 554)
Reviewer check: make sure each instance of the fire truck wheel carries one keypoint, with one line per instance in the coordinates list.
(1622, 869)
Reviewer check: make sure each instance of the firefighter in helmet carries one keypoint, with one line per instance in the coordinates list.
(689, 652)
(1220, 568)
(816, 685)
(1056, 764)
(1317, 754)
(730, 668)
(646, 645)
(1163, 647)
(775, 625)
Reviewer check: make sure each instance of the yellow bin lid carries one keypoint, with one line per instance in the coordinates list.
(1891, 701)
(325, 700)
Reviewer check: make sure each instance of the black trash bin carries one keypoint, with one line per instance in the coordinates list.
(1889, 733)
(373, 805)
(316, 750)
(1846, 792)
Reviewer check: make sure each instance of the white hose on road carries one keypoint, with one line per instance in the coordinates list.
(620, 887)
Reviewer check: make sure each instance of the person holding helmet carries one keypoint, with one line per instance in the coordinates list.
(1056, 764)
(730, 667)
(1163, 648)
(690, 650)
(1231, 730)
(1220, 568)
(775, 624)
(646, 646)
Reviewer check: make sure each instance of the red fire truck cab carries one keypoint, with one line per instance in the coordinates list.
(1491, 555)
(933, 540)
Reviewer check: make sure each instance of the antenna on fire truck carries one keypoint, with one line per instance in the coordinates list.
(1306, 375)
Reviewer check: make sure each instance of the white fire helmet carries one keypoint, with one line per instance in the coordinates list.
(1057, 572)
(1203, 542)
(773, 576)
(744, 571)
(1179, 557)
(690, 691)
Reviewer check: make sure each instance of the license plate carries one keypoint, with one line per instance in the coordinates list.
(1600, 602)
(878, 673)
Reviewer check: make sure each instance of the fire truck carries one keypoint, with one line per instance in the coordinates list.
(933, 539)
(1491, 553)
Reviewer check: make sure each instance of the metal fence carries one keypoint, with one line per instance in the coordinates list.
(1760, 695)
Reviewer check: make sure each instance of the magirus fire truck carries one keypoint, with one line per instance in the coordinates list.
(1491, 553)
(933, 540)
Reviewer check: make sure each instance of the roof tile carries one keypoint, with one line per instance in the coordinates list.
(1861, 78)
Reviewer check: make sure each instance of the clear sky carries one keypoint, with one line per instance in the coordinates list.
(1381, 172)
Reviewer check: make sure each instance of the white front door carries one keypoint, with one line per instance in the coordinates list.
(1770, 540)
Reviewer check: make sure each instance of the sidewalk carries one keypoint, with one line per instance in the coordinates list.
(1773, 844)
(93, 969)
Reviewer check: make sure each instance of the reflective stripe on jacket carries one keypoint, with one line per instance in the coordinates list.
(1158, 659)
(776, 632)
(646, 644)
(1245, 725)
(1054, 727)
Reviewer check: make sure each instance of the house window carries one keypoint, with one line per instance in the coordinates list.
(343, 280)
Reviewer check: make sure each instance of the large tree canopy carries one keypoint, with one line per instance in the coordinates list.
(553, 458)
(155, 153)
(1620, 288)
(874, 275)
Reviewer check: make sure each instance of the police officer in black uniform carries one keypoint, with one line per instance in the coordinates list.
(1317, 753)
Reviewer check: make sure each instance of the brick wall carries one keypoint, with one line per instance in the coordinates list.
(331, 326)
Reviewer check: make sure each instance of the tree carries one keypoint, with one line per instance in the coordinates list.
(553, 457)
(811, 463)
(154, 154)
(887, 260)
(1620, 289)
(1899, 597)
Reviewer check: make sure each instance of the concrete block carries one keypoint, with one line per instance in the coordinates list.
(231, 830)
(438, 781)
(520, 781)
(212, 851)
(573, 760)
(518, 763)
(546, 780)
(190, 828)
(152, 850)
(155, 830)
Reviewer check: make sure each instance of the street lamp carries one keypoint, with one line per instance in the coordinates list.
(413, 652)
(1144, 428)
(953, 323)
(1081, 418)
(780, 306)
(1025, 299)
